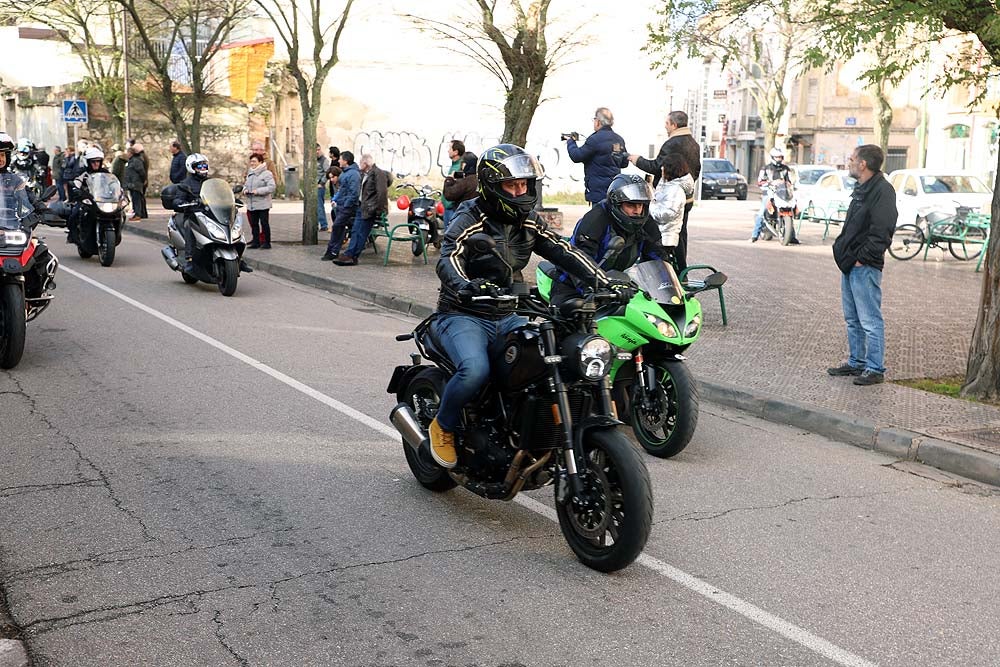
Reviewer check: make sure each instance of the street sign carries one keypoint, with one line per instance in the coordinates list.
(74, 111)
(850, 121)
(720, 94)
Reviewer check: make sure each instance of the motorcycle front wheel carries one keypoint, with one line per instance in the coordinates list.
(415, 246)
(228, 273)
(664, 421)
(786, 226)
(423, 395)
(608, 527)
(12, 324)
(106, 247)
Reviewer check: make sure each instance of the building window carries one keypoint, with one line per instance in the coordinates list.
(812, 97)
(895, 159)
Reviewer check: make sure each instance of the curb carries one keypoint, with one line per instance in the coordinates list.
(13, 653)
(864, 433)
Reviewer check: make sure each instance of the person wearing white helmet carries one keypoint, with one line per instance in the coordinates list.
(776, 170)
(93, 161)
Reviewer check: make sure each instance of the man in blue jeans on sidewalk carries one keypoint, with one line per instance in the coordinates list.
(860, 255)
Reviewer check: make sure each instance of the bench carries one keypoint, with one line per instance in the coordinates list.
(700, 284)
(401, 232)
(823, 216)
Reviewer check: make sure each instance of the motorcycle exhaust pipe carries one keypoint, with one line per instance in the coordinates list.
(406, 423)
(170, 257)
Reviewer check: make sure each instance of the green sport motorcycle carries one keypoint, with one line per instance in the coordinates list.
(654, 390)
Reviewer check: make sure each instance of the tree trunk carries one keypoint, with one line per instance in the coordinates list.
(310, 217)
(520, 106)
(194, 140)
(982, 375)
(883, 117)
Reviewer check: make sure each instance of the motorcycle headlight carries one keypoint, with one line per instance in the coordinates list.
(663, 327)
(107, 207)
(692, 328)
(595, 358)
(13, 237)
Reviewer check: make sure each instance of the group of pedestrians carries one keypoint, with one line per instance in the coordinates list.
(360, 199)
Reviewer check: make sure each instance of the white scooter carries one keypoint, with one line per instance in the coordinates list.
(780, 211)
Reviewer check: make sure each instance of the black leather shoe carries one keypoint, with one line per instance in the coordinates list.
(327, 257)
(253, 245)
(846, 369)
(869, 378)
(794, 242)
(244, 267)
(346, 261)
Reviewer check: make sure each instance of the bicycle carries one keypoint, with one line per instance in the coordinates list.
(966, 233)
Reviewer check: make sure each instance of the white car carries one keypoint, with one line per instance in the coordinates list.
(830, 193)
(805, 177)
(920, 191)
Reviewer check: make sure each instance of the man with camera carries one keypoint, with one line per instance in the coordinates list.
(603, 155)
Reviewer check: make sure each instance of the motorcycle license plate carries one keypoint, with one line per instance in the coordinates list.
(727, 190)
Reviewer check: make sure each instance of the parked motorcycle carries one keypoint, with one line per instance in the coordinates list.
(653, 388)
(423, 212)
(217, 223)
(27, 268)
(545, 418)
(780, 211)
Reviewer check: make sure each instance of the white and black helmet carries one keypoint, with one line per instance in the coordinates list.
(93, 153)
(777, 154)
(196, 164)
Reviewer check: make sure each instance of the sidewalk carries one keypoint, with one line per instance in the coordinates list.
(785, 328)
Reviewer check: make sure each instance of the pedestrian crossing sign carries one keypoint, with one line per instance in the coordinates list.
(74, 111)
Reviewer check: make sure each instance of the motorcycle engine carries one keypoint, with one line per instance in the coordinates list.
(488, 456)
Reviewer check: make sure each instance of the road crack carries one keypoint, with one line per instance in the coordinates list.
(706, 515)
(11, 491)
(217, 619)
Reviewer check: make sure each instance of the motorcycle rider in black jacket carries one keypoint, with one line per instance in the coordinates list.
(79, 188)
(470, 331)
(776, 170)
(623, 213)
(189, 192)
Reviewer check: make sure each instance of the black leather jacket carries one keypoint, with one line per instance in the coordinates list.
(515, 243)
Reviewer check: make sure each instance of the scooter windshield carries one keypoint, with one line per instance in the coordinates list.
(658, 279)
(14, 202)
(218, 197)
(104, 188)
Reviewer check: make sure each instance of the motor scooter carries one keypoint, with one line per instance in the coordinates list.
(424, 212)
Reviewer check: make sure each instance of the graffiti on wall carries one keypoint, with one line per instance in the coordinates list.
(409, 154)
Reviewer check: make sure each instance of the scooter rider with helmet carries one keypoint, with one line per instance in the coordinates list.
(189, 192)
(624, 212)
(79, 187)
(469, 331)
(776, 170)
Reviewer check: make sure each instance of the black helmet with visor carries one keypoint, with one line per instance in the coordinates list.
(501, 164)
(629, 189)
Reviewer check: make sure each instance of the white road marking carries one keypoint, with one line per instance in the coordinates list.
(708, 591)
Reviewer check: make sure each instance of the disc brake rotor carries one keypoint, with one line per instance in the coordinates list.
(593, 520)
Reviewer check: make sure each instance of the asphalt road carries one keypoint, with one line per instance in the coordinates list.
(194, 480)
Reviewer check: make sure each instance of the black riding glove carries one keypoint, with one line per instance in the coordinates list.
(624, 290)
(477, 287)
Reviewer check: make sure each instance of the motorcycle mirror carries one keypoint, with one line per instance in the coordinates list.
(482, 243)
(48, 192)
(715, 280)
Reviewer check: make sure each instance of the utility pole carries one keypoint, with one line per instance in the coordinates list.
(128, 109)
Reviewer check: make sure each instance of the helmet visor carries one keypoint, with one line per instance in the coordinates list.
(637, 192)
(514, 167)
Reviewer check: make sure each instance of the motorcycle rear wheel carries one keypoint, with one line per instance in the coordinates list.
(12, 324)
(423, 395)
(228, 275)
(106, 248)
(666, 431)
(609, 533)
(84, 254)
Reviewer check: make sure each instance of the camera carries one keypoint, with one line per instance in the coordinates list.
(569, 135)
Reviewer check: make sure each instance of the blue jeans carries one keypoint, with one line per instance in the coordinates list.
(470, 342)
(758, 222)
(321, 206)
(343, 217)
(861, 295)
(449, 213)
(359, 235)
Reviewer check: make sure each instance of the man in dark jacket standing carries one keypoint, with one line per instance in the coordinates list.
(135, 182)
(679, 140)
(177, 171)
(860, 255)
(374, 203)
(603, 156)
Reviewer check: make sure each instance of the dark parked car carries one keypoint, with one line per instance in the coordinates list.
(720, 179)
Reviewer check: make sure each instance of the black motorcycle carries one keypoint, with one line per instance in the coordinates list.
(538, 422)
(423, 212)
(101, 218)
(27, 268)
